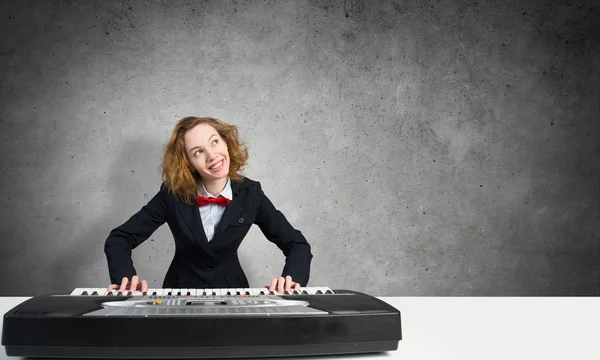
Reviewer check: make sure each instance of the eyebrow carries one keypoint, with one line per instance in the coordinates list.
(195, 147)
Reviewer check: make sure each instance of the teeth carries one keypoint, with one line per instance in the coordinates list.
(216, 165)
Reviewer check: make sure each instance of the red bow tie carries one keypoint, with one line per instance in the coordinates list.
(221, 201)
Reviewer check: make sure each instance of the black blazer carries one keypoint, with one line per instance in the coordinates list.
(198, 263)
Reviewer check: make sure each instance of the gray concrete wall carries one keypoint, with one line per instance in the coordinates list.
(422, 147)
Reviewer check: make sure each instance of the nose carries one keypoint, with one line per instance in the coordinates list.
(210, 155)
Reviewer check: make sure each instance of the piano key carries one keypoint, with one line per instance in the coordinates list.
(254, 291)
(77, 291)
(317, 290)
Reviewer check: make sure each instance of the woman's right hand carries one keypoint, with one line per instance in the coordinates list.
(126, 285)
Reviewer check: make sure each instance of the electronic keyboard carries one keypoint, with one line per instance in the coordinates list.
(200, 323)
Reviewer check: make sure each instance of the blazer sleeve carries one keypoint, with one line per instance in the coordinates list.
(126, 237)
(292, 243)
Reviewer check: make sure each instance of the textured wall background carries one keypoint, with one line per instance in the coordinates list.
(422, 147)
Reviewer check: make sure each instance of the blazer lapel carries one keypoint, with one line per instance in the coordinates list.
(191, 216)
(232, 210)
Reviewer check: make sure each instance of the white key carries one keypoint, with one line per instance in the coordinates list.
(77, 291)
(255, 291)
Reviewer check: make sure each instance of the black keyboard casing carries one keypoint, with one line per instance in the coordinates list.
(53, 326)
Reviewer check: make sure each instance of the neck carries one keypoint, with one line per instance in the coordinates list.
(215, 186)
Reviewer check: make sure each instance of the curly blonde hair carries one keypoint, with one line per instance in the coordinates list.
(179, 176)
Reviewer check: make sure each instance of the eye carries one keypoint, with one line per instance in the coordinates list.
(198, 152)
(215, 141)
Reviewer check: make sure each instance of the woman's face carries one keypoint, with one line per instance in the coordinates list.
(207, 152)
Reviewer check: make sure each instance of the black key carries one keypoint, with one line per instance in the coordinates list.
(144, 293)
(214, 293)
(154, 293)
(287, 292)
(204, 293)
(296, 292)
(95, 293)
(228, 293)
(305, 292)
(84, 293)
(238, 293)
(129, 293)
(169, 293)
(328, 292)
(119, 293)
(262, 292)
(319, 292)
(271, 292)
(247, 292)
(189, 293)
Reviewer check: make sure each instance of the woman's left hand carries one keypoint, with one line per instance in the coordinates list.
(282, 284)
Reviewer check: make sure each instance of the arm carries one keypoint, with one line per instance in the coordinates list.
(290, 241)
(131, 234)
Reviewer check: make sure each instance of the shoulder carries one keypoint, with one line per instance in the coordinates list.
(167, 194)
(247, 187)
(244, 184)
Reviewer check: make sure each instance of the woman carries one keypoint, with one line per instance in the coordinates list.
(209, 207)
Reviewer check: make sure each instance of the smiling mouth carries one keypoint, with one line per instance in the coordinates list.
(217, 166)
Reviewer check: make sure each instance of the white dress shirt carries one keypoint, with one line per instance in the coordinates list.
(211, 214)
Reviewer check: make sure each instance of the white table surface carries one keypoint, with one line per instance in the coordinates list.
(481, 328)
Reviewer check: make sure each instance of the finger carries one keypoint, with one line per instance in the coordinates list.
(288, 283)
(273, 284)
(280, 285)
(124, 284)
(144, 286)
(112, 287)
(297, 286)
(134, 283)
